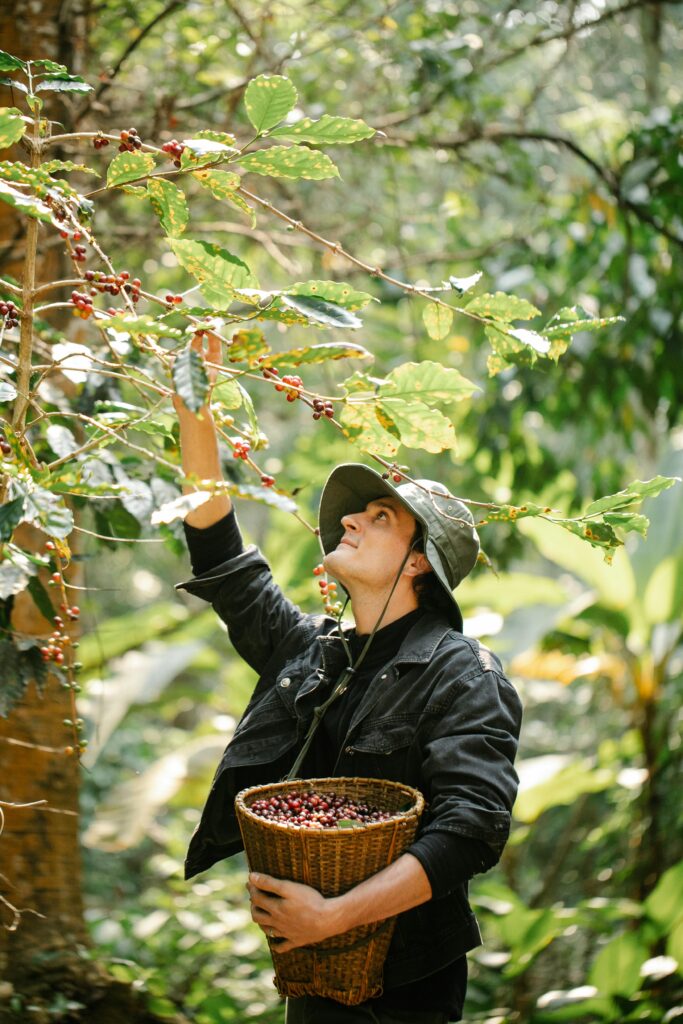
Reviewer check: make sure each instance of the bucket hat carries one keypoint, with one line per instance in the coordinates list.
(451, 542)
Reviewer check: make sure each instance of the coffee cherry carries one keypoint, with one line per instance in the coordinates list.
(241, 448)
(267, 481)
(319, 570)
(312, 810)
(9, 313)
(99, 142)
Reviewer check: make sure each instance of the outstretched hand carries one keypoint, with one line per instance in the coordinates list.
(291, 914)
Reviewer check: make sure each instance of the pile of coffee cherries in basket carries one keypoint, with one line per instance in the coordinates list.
(310, 809)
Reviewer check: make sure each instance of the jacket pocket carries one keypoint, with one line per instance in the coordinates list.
(386, 735)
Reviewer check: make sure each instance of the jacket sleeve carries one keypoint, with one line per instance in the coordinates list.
(470, 780)
(246, 597)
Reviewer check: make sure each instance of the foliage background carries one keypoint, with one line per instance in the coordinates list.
(540, 144)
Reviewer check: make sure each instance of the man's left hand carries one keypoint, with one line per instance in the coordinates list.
(291, 914)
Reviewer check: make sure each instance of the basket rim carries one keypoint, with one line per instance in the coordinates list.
(415, 809)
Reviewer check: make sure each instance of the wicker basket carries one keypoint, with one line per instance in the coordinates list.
(348, 967)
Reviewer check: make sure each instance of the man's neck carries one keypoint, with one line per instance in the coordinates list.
(367, 610)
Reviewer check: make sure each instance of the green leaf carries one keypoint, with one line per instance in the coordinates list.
(531, 338)
(251, 413)
(224, 137)
(63, 83)
(221, 184)
(190, 379)
(664, 905)
(12, 126)
(227, 394)
(41, 598)
(265, 495)
(10, 63)
(48, 511)
(13, 682)
(67, 165)
(337, 292)
(14, 84)
(418, 425)
(507, 349)
(290, 162)
(599, 535)
(317, 354)
(50, 66)
(319, 311)
(247, 346)
(217, 270)
(558, 784)
(129, 167)
(8, 392)
(616, 968)
(628, 521)
(141, 325)
(572, 319)
(326, 131)
(268, 99)
(427, 381)
(632, 494)
(437, 319)
(27, 204)
(500, 306)
(361, 425)
(169, 204)
(178, 508)
(11, 514)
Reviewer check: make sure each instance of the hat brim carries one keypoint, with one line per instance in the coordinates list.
(348, 490)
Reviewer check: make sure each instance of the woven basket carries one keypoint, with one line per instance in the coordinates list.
(348, 967)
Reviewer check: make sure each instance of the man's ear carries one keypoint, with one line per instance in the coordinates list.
(417, 564)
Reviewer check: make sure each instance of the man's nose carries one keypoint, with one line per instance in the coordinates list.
(349, 522)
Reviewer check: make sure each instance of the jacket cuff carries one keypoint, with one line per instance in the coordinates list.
(207, 584)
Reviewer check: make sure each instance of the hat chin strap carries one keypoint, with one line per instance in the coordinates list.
(347, 674)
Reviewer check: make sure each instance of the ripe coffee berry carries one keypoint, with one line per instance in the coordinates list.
(174, 149)
(129, 141)
(10, 313)
(240, 448)
(267, 481)
(83, 305)
(313, 810)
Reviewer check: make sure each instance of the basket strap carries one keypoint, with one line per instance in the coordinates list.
(336, 950)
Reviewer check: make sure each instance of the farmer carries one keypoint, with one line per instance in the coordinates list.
(416, 702)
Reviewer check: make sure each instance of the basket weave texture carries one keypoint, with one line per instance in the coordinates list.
(348, 967)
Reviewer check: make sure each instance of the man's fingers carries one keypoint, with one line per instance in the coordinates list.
(266, 883)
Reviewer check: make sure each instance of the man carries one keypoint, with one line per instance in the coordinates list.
(418, 703)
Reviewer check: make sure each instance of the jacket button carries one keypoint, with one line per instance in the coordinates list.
(384, 676)
(285, 682)
(348, 750)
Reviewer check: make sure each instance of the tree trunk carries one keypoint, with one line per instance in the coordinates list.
(42, 929)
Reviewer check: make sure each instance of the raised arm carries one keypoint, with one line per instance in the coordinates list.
(199, 444)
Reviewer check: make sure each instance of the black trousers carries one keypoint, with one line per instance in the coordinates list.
(313, 1010)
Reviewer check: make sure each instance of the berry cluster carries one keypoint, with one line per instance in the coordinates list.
(129, 141)
(174, 149)
(83, 304)
(309, 809)
(174, 300)
(5, 446)
(266, 480)
(78, 254)
(113, 284)
(240, 448)
(99, 142)
(292, 385)
(322, 408)
(328, 592)
(393, 473)
(10, 313)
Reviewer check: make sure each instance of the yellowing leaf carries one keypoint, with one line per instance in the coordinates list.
(290, 162)
(129, 167)
(437, 320)
(169, 204)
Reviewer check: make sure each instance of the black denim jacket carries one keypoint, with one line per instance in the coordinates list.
(440, 716)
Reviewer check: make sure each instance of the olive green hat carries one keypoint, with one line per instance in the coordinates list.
(451, 543)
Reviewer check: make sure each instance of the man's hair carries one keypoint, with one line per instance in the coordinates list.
(430, 593)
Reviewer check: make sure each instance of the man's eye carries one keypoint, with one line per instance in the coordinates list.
(381, 513)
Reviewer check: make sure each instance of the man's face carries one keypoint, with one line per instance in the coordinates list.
(373, 546)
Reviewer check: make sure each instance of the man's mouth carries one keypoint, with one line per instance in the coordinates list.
(345, 540)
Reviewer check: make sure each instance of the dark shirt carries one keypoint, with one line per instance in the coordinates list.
(447, 859)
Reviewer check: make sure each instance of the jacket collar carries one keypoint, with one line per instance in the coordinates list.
(418, 647)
